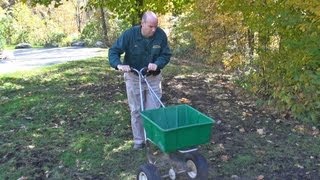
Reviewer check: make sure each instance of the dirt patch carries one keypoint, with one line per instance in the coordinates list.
(248, 141)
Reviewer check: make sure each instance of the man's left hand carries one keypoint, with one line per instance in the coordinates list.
(152, 67)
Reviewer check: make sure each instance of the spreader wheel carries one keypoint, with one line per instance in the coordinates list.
(197, 166)
(148, 172)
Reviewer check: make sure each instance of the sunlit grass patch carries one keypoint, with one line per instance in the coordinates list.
(84, 151)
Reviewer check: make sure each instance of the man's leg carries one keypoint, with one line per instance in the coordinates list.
(133, 95)
(151, 101)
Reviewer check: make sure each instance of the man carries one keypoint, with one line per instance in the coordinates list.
(145, 46)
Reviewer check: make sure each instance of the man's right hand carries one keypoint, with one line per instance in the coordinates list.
(124, 68)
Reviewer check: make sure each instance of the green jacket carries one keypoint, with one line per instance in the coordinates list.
(140, 51)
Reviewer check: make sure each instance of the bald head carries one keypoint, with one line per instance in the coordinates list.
(149, 16)
(149, 24)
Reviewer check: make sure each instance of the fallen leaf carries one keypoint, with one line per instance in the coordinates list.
(260, 177)
(269, 141)
(225, 104)
(235, 177)
(242, 130)
(315, 131)
(22, 178)
(184, 100)
(261, 131)
(29, 118)
(299, 166)
(221, 147)
(31, 146)
(225, 158)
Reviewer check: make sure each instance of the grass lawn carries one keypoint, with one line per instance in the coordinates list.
(63, 122)
(71, 121)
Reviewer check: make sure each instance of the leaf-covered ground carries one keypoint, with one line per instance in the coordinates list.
(71, 121)
(249, 141)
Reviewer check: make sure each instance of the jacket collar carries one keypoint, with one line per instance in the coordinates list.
(139, 34)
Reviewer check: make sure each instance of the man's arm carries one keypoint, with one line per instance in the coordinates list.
(115, 52)
(165, 54)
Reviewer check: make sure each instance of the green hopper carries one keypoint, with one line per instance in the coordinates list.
(177, 127)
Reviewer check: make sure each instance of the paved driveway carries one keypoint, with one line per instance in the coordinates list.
(25, 59)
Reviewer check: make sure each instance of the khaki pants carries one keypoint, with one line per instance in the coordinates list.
(149, 101)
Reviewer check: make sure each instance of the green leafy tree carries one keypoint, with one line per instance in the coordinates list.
(288, 74)
(219, 36)
(273, 44)
(40, 25)
(129, 10)
(2, 28)
(26, 25)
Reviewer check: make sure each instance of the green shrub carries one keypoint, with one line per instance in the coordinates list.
(181, 39)
(55, 37)
(290, 79)
(92, 33)
(67, 40)
(5, 28)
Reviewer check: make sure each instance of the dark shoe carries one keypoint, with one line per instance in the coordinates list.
(138, 146)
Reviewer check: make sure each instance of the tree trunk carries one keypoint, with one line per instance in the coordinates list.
(136, 20)
(78, 15)
(250, 44)
(104, 26)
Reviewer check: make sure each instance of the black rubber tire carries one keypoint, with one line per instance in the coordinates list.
(197, 166)
(149, 171)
